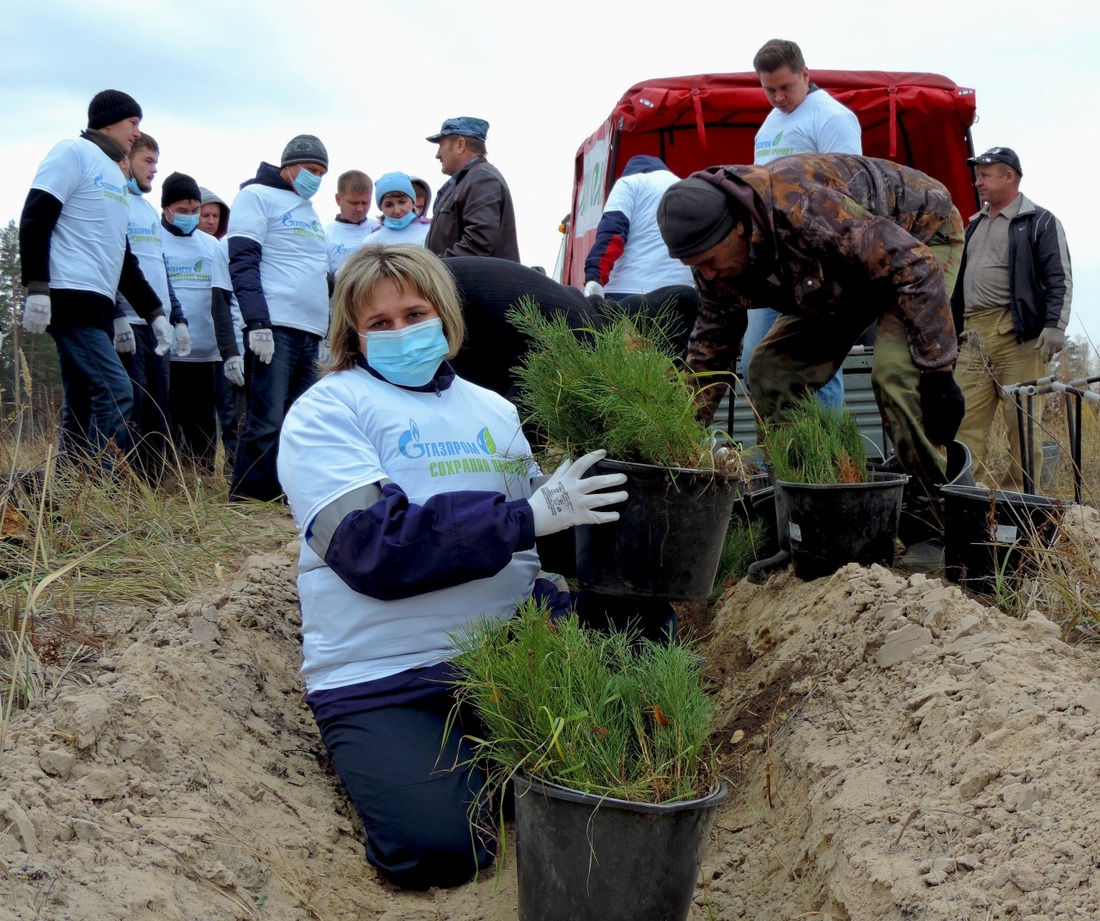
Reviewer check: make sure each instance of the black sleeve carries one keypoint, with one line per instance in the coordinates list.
(223, 323)
(177, 315)
(36, 224)
(244, 269)
(137, 290)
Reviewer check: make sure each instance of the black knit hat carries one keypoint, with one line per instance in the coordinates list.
(305, 148)
(177, 187)
(694, 215)
(110, 106)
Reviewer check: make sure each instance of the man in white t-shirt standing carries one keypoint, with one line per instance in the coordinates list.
(279, 265)
(352, 226)
(75, 256)
(803, 119)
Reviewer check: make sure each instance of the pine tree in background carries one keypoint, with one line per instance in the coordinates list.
(30, 379)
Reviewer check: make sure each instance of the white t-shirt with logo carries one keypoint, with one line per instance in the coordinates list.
(462, 438)
(645, 263)
(89, 240)
(294, 265)
(196, 264)
(147, 243)
(819, 125)
(414, 234)
(344, 239)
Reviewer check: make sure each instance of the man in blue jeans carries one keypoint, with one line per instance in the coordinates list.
(279, 265)
(75, 256)
(803, 119)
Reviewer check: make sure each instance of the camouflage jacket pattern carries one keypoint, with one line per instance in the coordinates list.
(827, 230)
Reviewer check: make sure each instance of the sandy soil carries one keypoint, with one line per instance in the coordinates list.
(897, 750)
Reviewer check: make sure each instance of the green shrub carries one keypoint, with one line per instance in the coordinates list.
(818, 446)
(600, 712)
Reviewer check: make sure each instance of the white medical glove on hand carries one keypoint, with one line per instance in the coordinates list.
(125, 343)
(234, 370)
(162, 329)
(593, 289)
(262, 344)
(36, 313)
(183, 340)
(568, 499)
(1051, 341)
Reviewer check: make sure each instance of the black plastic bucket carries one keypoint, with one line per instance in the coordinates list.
(829, 525)
(668, 540)
(581, 857)
(989, 534)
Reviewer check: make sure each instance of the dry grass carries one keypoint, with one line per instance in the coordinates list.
(81, 551)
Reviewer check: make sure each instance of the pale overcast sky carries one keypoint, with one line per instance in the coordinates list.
(224, 85)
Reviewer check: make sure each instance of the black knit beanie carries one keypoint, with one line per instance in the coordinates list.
(110, 106)
(177, 187)
(305, 148)
(694, 215)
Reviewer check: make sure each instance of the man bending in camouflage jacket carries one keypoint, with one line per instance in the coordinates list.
(835, 243)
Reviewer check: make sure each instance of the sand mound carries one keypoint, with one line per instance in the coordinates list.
(898, 751)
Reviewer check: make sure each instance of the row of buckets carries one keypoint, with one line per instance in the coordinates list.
(989, 536)
(669, 538)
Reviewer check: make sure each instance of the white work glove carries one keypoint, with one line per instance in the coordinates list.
(593, 289)
(262, 343)
(324, 353)
(162, 329)
(234, 370)
(36, 313)
(125, 343)
(183, 340)
(567, 499)
(1051, 340)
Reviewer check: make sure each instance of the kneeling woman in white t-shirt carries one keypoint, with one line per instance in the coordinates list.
(399, 222)
(412, 491)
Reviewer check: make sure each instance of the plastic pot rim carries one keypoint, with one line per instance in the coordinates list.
(599, 801)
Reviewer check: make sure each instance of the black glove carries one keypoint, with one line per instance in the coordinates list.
(941, 405)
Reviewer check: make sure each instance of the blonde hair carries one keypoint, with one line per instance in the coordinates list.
(408, 266)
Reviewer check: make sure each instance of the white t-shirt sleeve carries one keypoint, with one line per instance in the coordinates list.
(220, 273)
(60, 172)
(840, 133)
(621, 198)
(248, 217)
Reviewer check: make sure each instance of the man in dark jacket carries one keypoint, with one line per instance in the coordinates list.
(473, 213)
(1013, 295)
(834, 242)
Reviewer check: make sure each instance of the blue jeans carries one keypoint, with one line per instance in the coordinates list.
(99, 399)
(148, 373)
(272, 389)
(760, 321)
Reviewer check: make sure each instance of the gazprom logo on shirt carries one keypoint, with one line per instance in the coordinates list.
(116, 192)
(446, 458)
(185, 270)
(147, 234)
(303, 228)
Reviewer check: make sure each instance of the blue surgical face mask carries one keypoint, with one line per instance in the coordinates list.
(410, 356)
(134, 187)
(399, 223)
(306, 183)
(185, 223)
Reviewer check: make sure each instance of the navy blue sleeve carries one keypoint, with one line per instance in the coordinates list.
(611, 234)
(396, 549)
(244, 270)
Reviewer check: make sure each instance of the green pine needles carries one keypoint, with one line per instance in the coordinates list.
(617, 387)
(818, 446)
(602, 713)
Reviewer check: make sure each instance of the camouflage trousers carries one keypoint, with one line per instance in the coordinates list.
(800, 354)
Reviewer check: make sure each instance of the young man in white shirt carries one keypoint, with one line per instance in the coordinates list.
(352, 227)
(279, 265)
(75, 256)
(803, 119)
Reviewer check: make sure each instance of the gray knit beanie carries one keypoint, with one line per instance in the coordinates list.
(694, 215)
(305, 148)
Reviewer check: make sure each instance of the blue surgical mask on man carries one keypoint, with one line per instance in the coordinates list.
(306, 183)
(399, 223)
(133, 186)
(410, 356)
(185, 223)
